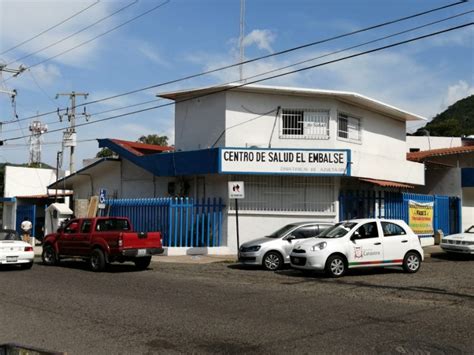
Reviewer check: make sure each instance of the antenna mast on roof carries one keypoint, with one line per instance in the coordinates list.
(241, 40)
(37, 129)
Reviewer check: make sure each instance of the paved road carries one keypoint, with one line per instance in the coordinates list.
(223, 308)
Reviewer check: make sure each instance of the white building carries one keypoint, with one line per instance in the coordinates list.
(26, 194)
(294, 149)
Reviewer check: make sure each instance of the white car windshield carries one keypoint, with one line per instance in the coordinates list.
(337, 231)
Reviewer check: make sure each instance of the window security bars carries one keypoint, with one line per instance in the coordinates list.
(304, 124)
(348, 127)
(287, 194)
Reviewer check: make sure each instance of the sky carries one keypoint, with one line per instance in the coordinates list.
(185, 37)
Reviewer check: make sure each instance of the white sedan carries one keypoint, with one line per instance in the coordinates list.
(360, 243)
(459, 243)
(14, 251)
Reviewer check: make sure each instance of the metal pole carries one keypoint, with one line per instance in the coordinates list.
(73, 130)
(57, 176)
(237, 223)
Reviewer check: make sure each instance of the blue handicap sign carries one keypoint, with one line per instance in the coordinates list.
(102, 195)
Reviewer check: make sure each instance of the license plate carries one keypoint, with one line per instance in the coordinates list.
(296, 260)
(141, 252)
(12, 259)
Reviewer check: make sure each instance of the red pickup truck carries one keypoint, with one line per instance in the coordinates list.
(101, 240)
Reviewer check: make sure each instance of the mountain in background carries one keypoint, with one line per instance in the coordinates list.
(456, 121)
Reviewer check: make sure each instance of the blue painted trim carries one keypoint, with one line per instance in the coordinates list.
(7, 199)
(203, 161)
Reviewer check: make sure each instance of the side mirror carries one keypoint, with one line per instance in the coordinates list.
(290, 238)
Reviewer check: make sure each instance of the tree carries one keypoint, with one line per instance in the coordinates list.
(105, 153)
(456, 121)
(154, 139)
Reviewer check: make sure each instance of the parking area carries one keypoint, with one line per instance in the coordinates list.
(223, 307)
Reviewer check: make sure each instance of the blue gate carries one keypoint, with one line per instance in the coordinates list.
(184, 222)
(26, 211)
(395, 205)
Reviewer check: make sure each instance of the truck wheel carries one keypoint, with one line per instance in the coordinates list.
(142, 263)
(49, 256)
(97, 260)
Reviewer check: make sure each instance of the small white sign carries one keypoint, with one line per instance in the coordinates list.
(236, 189)
(101, 206)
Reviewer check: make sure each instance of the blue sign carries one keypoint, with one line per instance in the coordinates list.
(102, 195)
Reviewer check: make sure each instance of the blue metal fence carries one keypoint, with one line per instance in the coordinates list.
(184, 222)
(395, 205)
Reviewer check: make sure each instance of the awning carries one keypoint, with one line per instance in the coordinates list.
(384, 183)
(425, 154)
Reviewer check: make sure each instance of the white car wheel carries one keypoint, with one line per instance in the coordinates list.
(336, 266)
(412, 262)
(272, 261)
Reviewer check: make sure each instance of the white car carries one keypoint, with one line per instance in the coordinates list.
(459, 243)
(14, 251)
(360, 243)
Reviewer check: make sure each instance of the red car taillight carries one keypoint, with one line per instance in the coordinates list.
(28, 248)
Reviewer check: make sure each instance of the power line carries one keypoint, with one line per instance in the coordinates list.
(40, 87)
(97, 113)
(293, 64)
(261, 57)
(102, 34)
(218, 90)
(75, 33)
(50, 28)
(282, 68)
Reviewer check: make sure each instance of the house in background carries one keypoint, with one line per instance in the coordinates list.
(449, 163)
(26, 194)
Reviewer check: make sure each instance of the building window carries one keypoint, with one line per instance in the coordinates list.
(414, 150)
(287, 193)
(304, 124)
(348, 127)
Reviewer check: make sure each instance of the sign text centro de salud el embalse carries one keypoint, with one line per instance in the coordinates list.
(284, 161)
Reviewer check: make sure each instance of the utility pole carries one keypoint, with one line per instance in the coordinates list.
(69, 135)
(15, 72)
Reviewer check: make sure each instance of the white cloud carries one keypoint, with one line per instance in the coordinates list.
(150, 53)
(262, 38)
(46, 74)
(456, 92)
(20, 20)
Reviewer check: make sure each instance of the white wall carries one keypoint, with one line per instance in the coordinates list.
(21, 181)
(102, 176)
(381, 154)
(429, 143)
(467, 207)
(199, 122)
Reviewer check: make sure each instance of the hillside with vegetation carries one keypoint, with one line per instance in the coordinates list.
(456, 121)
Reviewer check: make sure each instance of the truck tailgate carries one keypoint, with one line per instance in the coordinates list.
(135, 240)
